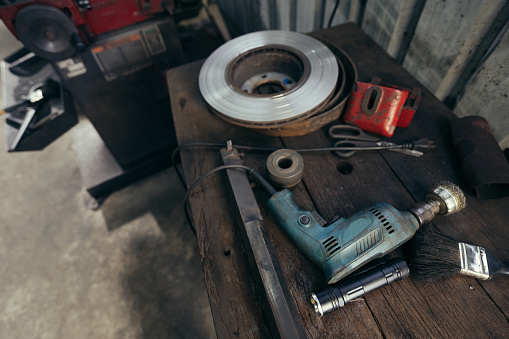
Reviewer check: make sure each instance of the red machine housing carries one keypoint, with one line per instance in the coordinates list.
(93, 17)
(109, 15)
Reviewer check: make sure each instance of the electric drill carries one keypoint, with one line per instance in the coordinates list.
(344, 245)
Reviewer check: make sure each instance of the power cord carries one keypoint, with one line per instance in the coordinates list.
(259, 178)
(336, 5)
(212, 171)
(177, 150)
(421, 143)
(210, 145)
(198, 181)
(255, 174)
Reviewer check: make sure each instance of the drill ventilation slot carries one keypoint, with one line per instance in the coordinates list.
(331, 246)
(368, 241)
(382, 219)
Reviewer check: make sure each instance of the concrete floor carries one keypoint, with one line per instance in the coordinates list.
(128, 270)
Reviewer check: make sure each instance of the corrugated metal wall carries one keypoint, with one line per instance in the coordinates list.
(457, 49)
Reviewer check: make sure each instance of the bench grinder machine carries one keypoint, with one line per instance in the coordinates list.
(106, 58)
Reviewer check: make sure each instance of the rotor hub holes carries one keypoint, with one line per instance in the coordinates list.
(268, 71)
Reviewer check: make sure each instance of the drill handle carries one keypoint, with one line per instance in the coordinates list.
(301, 226)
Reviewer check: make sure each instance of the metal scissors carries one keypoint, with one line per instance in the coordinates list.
(353, 139)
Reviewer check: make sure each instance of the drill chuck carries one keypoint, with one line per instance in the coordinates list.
(444, 198)
(449, 197)
(336, 296)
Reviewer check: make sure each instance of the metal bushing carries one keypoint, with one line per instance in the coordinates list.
(285, 167)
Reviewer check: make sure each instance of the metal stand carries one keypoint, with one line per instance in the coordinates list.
(101, 174)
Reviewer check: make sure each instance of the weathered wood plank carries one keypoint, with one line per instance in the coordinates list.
(235, 308)
(445, 308)
(484, 221)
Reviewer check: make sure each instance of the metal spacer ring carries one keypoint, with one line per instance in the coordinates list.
(285, 167)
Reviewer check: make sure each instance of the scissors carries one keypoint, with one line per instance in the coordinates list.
(353, 139)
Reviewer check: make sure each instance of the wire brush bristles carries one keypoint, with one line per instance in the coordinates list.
(456, 192)
(433, 255)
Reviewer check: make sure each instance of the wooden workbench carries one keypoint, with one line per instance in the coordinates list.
(457, 307)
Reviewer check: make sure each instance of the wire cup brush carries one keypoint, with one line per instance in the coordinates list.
(444, 198)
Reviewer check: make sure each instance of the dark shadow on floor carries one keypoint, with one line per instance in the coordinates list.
(163, 278)
(162, 290)
(160, 194)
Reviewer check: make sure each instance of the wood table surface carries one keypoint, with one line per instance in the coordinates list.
(457, 306)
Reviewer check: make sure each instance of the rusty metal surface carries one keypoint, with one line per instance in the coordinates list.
(284, 316)
(306, 126)
(263, 127)
(261, 60)
(333, 109)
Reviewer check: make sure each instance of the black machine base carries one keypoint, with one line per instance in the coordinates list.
(101, 175)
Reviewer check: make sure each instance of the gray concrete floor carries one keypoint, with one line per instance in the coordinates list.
(129, 270)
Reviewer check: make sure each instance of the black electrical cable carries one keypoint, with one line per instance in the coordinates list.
(263, 182)
(199, 180)
(336, 5)
(212, 171)
(211, 145)
(259, 178)
(265, 149)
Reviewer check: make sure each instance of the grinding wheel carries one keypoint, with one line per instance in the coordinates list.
(46, 31)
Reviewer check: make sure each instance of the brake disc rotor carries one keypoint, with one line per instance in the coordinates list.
(269, 78)
(332, 110)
